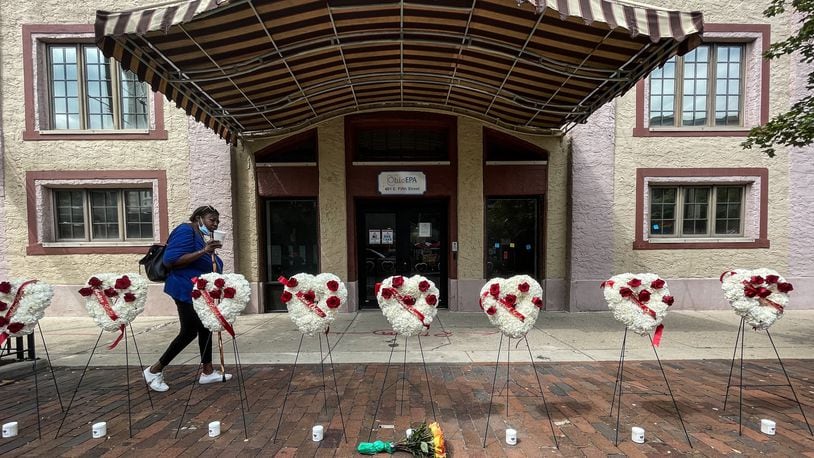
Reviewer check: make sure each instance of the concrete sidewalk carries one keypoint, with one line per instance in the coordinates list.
(366, 337)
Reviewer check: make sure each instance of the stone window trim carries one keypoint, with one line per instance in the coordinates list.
(40, 216)
(756, 201)
(756, 35)
(33, 36)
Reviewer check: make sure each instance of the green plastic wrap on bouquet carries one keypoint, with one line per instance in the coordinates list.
(372, 448)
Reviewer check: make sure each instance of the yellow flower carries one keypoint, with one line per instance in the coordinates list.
(438, 440)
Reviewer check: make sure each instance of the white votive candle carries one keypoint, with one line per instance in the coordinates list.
(511, 436)
(214, 428)
(637, 435)
(317, 432)
(99, 430)
(10, 429)
(768, 427)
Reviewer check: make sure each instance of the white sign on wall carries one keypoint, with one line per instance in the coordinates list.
(402, 183)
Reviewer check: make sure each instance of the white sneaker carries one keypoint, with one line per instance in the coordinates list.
(214, 377)
(155, 381)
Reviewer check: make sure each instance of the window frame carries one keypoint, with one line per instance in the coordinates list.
(754, 222)
(36, 37)
(711, 209)
(87, 212)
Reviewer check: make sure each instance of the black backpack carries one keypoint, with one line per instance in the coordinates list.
(153, 263)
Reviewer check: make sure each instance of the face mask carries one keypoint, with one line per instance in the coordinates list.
(204, 230)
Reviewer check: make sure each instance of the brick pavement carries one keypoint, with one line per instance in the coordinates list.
(578, 394)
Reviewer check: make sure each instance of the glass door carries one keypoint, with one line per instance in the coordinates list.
(401, 238)
(512, 237)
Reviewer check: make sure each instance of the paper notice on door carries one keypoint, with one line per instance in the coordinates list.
(374, 237)
(424, 229)
(387, 236)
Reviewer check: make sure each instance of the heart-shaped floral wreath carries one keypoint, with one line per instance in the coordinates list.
(114, 300)
(639, 301)
(22, 304)
(760, 296)
(219, 298)
(313, 301)
(512, 304)
(409, 304)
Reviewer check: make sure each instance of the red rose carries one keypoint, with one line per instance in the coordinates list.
(285, 297)
(625, 292)
(668, 300)
(333, 285)
(491, 311)
(424, 285)
(657, 283)
(749, 292)
(86, 291)
(408, 300)
(756, 280)
(3, 321)
(606, 283)
(376, 288)
(3, 306)
(95, 282)
(214, 294)
(644, 295)
(398, 281)
(129, 297)
(123, 283)
(292, 282)
(538, 302)
(523, 287)
(196, 294)
(784, 287)
(333, 302)
(494, 289)
(309, 296)
(510, 299)
(201, 283)
(770, 279)
(15, 327)
(229, 292)
(634, 283)
(110, 292)
(220, 283)
(764, 292)
(432, 300)
(387, 293)
(5, 287)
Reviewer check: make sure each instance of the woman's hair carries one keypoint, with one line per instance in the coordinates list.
(203, 211)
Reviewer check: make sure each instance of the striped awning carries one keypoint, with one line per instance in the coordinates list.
(267, 67)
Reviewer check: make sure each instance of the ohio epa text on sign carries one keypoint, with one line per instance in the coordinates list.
(412, 183)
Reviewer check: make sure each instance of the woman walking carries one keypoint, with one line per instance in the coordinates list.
(189, 255)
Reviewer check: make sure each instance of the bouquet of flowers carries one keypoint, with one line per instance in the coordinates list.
(427, 440)
(313, 301)
(114, 300)
(219, 298)
(639, 301)
(22, 304)
(409, 304)
(512, 304)
(760, 296)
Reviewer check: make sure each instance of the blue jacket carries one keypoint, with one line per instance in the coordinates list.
(185, 239)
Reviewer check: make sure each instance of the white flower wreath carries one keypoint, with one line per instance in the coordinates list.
(114, 300)
(22, 304)
(409, 304)
(639, 301)
(313, 301)
(760, 296)
(512, 304)
(219, 298)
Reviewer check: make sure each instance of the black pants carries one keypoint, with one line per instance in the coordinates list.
(191, 327)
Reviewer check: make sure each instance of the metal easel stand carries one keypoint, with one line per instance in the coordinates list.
(241, 388)
(620, 370)
(403, 379)
(742, 337)
(127, 375)
(322, 356)
(494, 381)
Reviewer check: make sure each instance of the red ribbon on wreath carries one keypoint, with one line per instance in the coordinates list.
(210, 302)
(406, 306)
(13, 308)
(508, 305)
(309, 302)
(633, 298)
(751, 290)
(102, 299)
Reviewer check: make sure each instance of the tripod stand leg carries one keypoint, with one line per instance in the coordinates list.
(732, 365)
(37, 398)
(542, 393)
(381, 393)
(82, 377)
(404, 375)
(287, 389)
(242, 378)
(192, 388)
(618, 373)
(492, 393)
(127, 376)
(322, 371)
(141, 367)
(789, 381)
(336, 389)
(240, 389)
(427, 377)
(740, 388)
(670, 391)
(620, 382)
(50, 366)
(508, 363)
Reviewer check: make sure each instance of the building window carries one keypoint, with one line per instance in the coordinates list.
(103, 214)
(696, 211)
(703, 88)
(512, 234)
(90, 92)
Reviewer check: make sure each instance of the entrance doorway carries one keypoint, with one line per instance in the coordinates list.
(401, 237)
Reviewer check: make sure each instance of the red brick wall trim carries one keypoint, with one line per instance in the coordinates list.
(287, 181)
(35, 247)
(763, 212)
(158, 132)
(765, 31)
